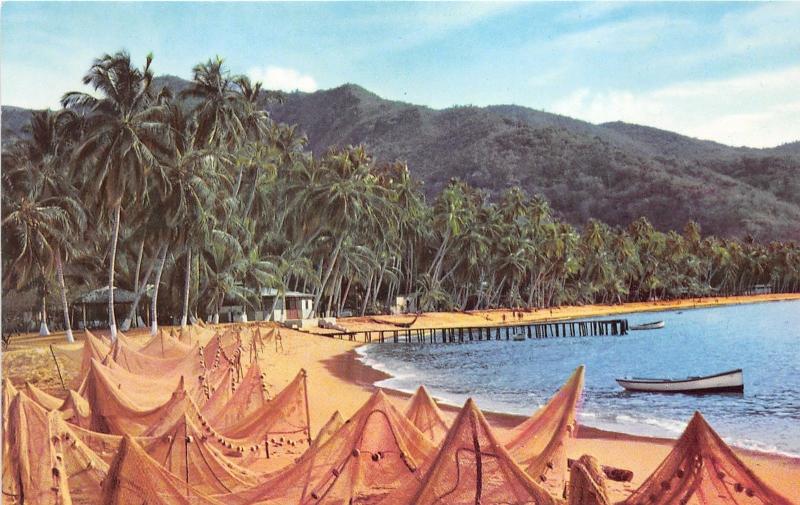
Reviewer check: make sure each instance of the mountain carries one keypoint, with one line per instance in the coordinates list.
(614, 172)
(15, 119)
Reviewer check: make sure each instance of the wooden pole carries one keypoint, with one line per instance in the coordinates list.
(308, 415)
(58, 368)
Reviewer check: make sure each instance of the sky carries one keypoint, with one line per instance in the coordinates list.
(728, 72)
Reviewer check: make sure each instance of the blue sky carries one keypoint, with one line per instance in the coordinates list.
(723, 71)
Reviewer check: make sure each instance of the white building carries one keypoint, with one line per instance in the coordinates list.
(291, 306)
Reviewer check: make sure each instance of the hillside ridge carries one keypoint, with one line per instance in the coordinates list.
(612, 171)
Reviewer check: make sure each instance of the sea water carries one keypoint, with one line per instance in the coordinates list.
(518, 377)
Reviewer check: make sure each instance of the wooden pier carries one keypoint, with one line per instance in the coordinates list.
(461, 334)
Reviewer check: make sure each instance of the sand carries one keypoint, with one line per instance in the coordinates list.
(338, 381)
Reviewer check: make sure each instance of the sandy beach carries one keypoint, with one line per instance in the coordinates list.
(338, 381)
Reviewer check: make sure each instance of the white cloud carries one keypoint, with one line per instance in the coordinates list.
(286, 79)
(758, 110)
(620, 36)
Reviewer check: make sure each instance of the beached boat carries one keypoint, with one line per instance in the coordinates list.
(725, 382)
(655, 325)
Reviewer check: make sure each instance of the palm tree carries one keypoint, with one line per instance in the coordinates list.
(43, 197)
(194, 180)
(123, 142)
(37, 231)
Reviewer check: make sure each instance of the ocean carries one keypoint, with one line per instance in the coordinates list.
(518, 377)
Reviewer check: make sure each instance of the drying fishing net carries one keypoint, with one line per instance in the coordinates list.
(223, 350)
(538, 445)
(127, 406)
(364, 460)
(188, 452)
(220, 395)
(45, 400)
(33, 472)
(701, 470)
(76, 410)
(146, 391)
(142, 364)
(248, 396)
(136, 478)
(69, 358)
(164, 346)
(330, 427)
(423, 413)
(284, 420)
(471, 467)
(85, 469)
(193, 334)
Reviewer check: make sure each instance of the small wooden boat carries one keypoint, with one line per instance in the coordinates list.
(725, 382)
(655, 325)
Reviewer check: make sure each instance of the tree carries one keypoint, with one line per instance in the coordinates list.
(125, 136)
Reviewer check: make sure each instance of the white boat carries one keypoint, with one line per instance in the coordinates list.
(655, 325)
(518, 335)
(725, 382)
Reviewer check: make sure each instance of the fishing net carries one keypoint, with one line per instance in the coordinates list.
(189, 453)
(193, 334)
(45, 400)
(423, 413)
(33, 472)
(471, 467)
(136, 478)
(220, 395)
(76, 409)
(9, 392)
(223, 350)
(587, 484)
(330, 427)
(164, 346)
(123, 405)
(284, 420)
(701, 469)
(248, 396)
(359, 464)
(138, 363)
(85, 469)
(93, 348)
(538, 444)
(144, 391)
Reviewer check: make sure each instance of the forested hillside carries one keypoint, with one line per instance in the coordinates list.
(614, 172)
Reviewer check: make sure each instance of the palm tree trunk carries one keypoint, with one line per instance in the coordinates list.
(238, 181)
(112, 320)
(378, 285)
(140, 289)
(43, 329)
(343, 301)
(138, 267)
(329, 270)
(252, 196)
(366, 295)
(60, 275)
(154, 301)
(186, 282)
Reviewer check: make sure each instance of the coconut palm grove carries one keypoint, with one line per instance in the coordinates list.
(202, 196)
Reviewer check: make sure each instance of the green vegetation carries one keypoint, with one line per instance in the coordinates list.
(199, 192)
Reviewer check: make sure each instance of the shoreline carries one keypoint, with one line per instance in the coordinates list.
(348, 366)
(338, 380)
(641, 454)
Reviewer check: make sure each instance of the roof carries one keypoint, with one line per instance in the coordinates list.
(100, 295)
(287, 294)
